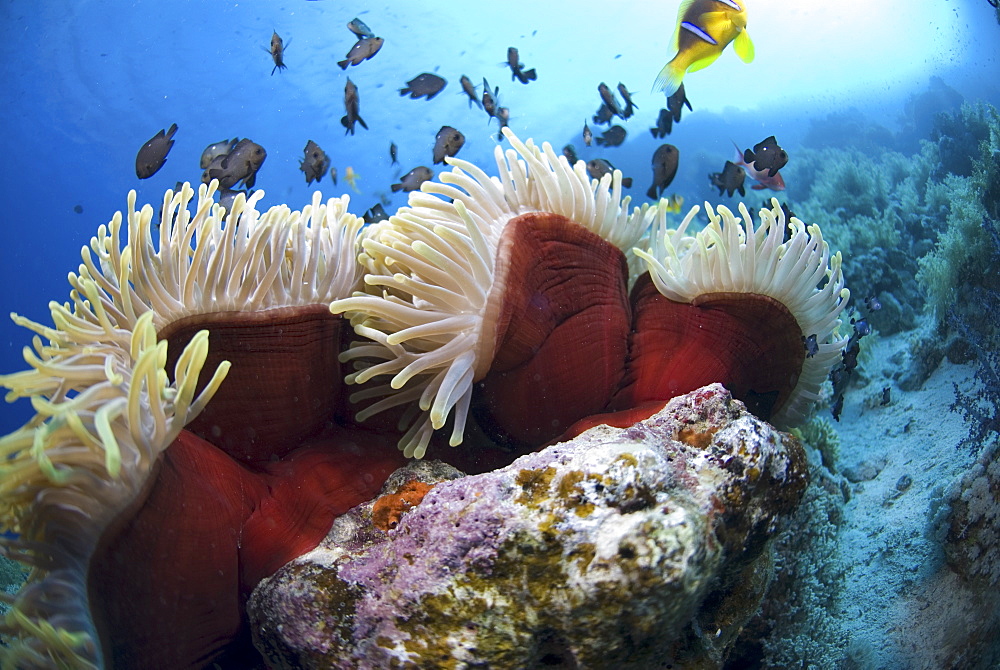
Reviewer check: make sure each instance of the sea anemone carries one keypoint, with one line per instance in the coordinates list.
(736, 304)
(513, 286)
(506, 298)
(145, 524)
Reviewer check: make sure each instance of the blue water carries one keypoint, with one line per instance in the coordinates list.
(87, 83)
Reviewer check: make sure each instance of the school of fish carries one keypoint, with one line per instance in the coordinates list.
(703, 30)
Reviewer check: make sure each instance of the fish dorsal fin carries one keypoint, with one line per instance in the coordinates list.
(684, 8)
(743, 46)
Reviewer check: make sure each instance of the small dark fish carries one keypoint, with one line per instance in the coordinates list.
(569, 151)
(215, 164)
(603, 115)
(610, 100)
(412, 180)
(392, 153)
(676, 102)
(241, 164)
(227, 197)
(612, 137)
(425, 84)
(811, 345)
(358, 27)
(838, 407)
(665, 160)
(352, 103)
(671, 115)
(517, 70)
(766, 155)
(315, 163)
(588, 136)
(470, 90)
(627, 97)
(490, 98)
(159, 214)
(213, 151)
(862, 327)
(362, 50)
(599, 167)
(503, 116)
(730, 179)
(333, 175)
(784, 208)
(664, 124)
(447, 143)
(78, 209)
(375, 213)
(873, 303)
(886, 395)
(277, 52)
(153, 154)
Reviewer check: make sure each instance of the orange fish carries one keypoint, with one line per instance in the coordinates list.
(704, 29)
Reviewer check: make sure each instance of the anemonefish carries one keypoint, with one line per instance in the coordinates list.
(704, 29)
(675, 203)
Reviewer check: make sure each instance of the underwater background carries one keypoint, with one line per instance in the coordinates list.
(888, 114)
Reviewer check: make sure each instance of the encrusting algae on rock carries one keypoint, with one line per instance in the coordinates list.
(622, 548)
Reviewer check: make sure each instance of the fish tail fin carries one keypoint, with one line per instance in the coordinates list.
(531, 75)
(669, 79)
(739, 154)
(362, 122)
(343, 64)
(171, 130)
(743, 46)
(651, 193)
(396, 187)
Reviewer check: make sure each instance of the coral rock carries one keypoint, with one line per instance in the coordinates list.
(972, 545)
(628, 548)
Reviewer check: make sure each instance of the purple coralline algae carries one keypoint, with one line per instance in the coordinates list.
(645, 547)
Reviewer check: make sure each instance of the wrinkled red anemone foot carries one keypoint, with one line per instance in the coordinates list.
(562, 330)
(253, 482)
(169, 583)
(748, 342)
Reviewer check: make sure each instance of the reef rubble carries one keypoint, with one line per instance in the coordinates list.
(643, 547)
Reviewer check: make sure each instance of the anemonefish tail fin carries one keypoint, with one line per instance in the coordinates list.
(743, 46)
(669, 79)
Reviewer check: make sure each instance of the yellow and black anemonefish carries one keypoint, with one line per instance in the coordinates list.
(704, 29)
